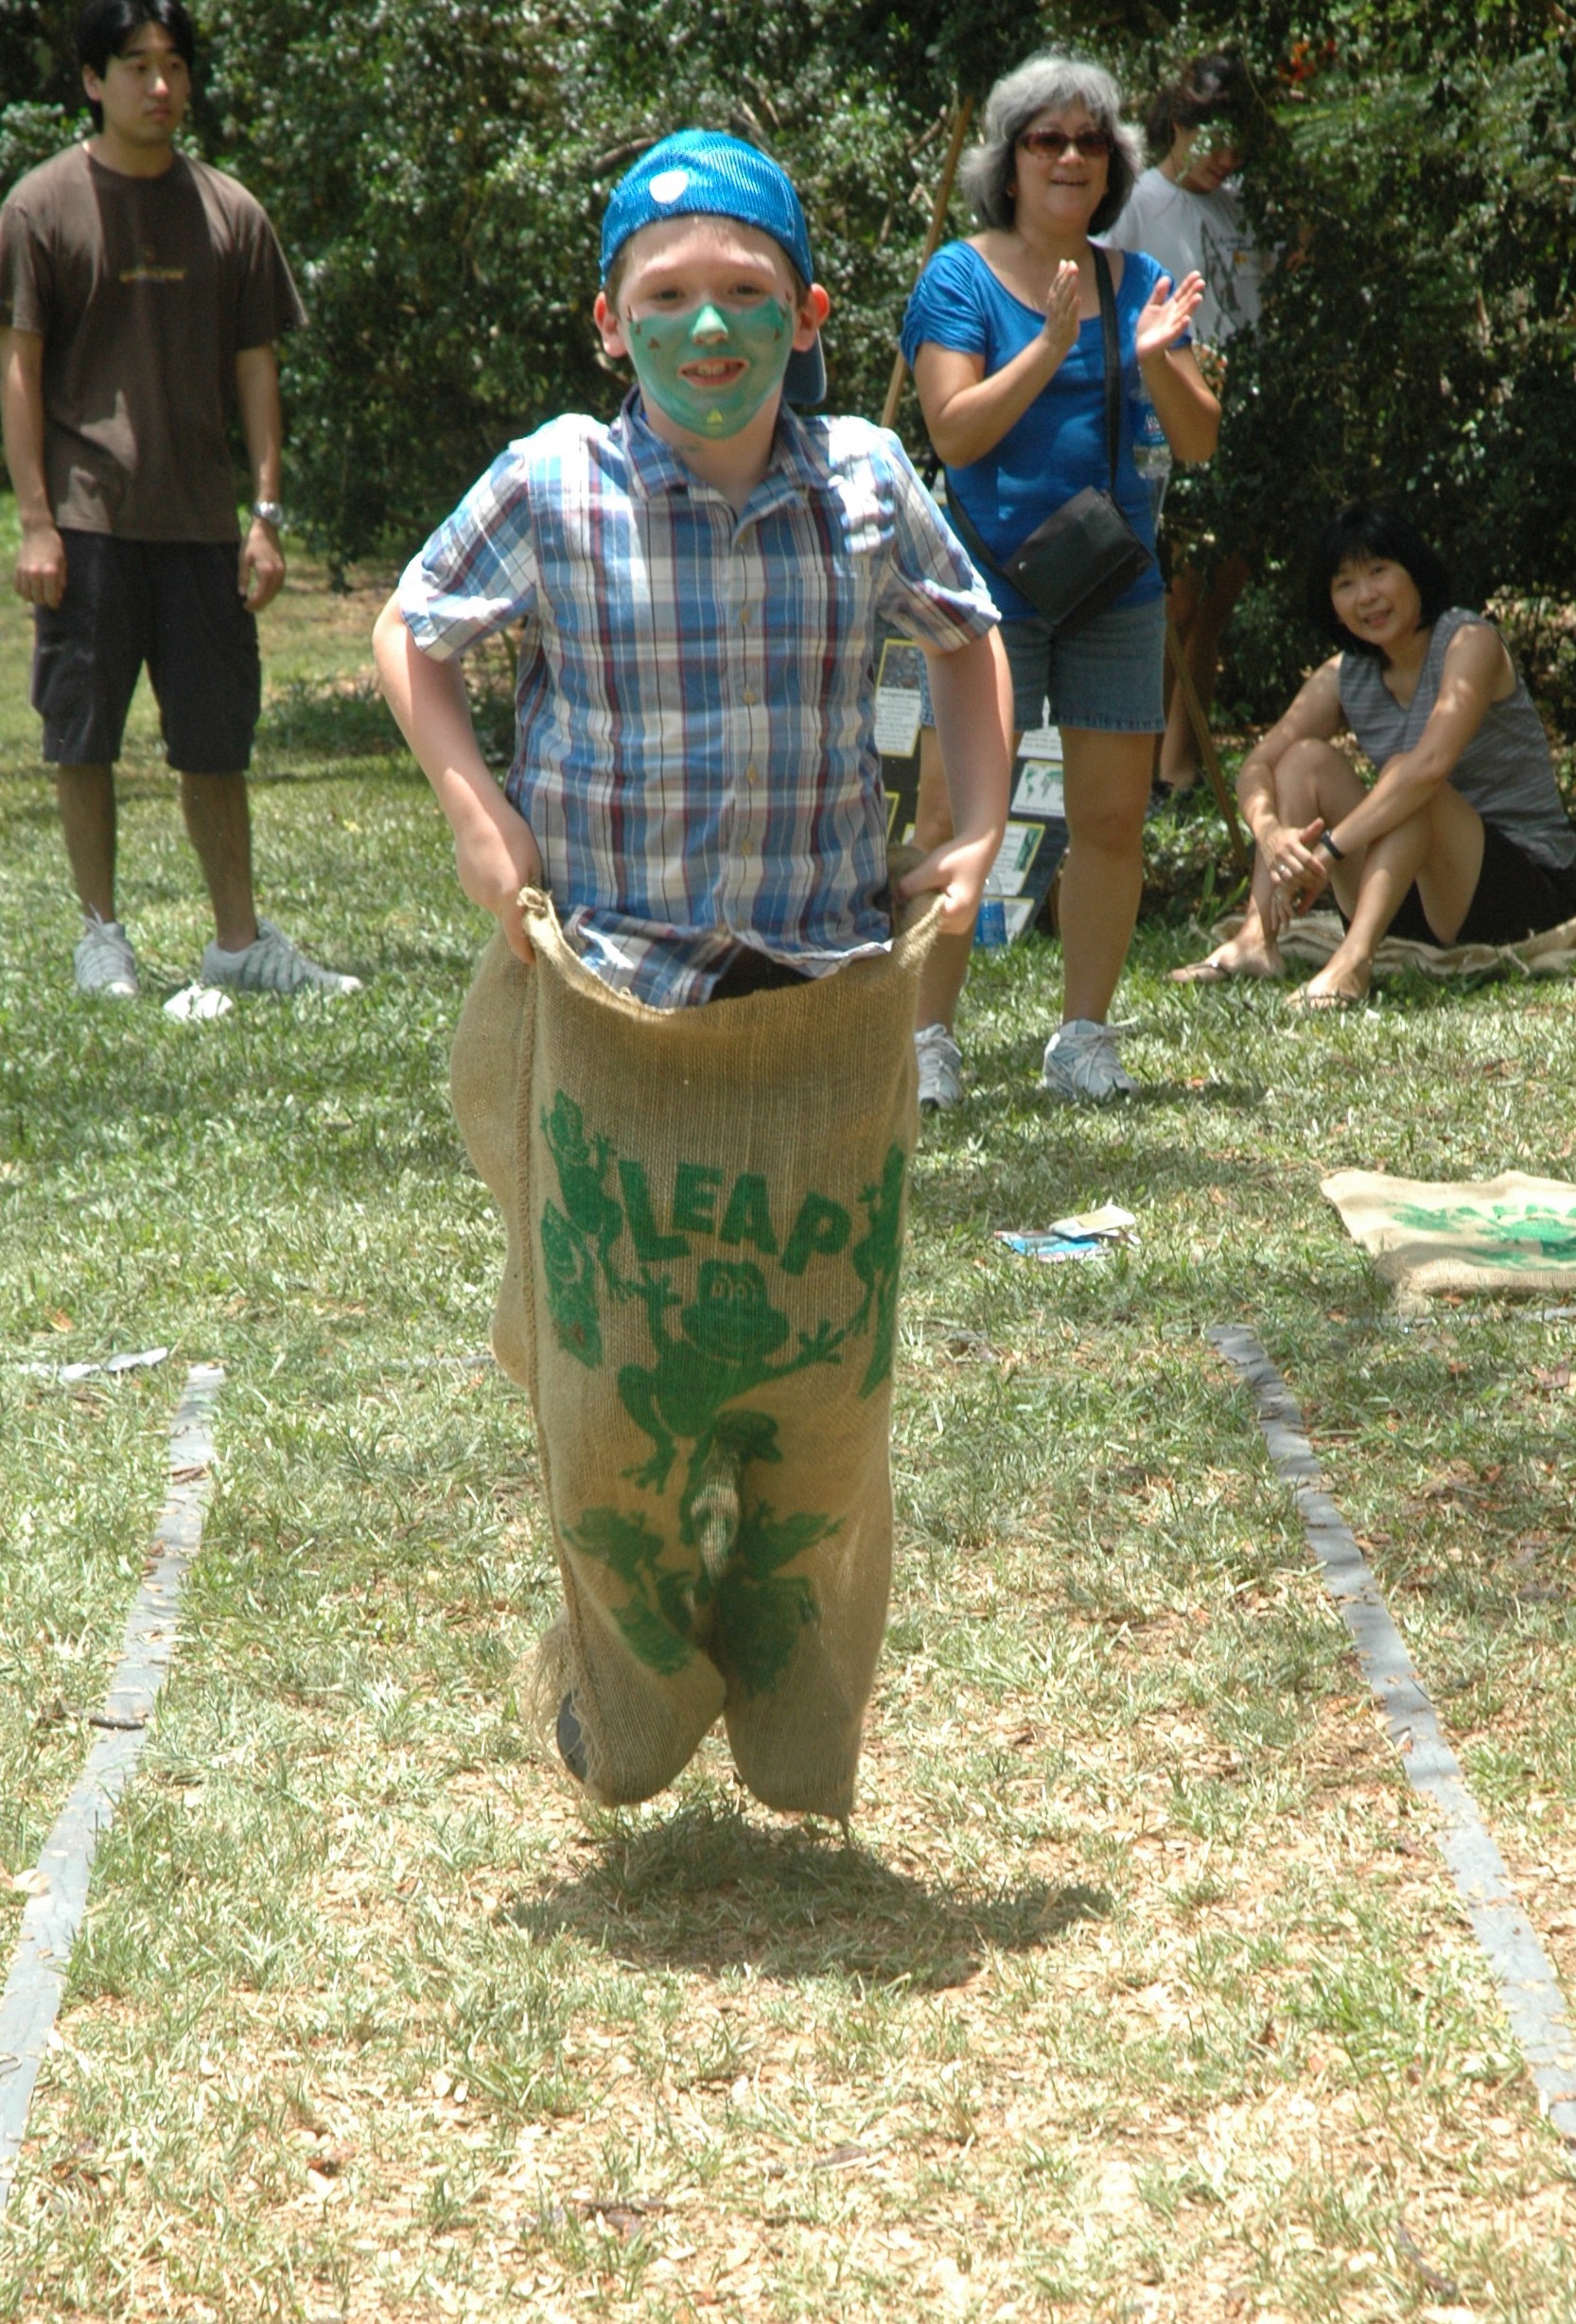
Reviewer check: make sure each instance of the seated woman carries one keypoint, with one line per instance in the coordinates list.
(1462, 839)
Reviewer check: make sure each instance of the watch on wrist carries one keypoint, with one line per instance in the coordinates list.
(270, 512)
(1330, 848)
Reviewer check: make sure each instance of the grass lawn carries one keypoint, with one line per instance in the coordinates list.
(1143, 1993)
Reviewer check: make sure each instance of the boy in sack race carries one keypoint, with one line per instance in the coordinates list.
(686, 1066)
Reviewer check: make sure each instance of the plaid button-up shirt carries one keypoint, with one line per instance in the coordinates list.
(696, 751)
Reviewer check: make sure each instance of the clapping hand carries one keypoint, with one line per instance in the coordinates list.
(1167, 314)
(1061, 308)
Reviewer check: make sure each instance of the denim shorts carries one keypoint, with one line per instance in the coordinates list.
(1107, 676)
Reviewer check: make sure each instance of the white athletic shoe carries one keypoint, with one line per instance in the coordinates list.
(272, 964)
(104, 961)
(940, 1062)
(1082, 1066)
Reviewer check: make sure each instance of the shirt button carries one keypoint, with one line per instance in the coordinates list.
(752, 774)
(749, 694)
(744, 616)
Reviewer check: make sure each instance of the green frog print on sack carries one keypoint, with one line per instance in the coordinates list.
(1528, 1234)
(607, 1246)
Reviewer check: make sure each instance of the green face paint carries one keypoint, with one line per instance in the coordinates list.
(661, 344)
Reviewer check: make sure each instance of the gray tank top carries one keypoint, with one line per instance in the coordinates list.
(1505, 770)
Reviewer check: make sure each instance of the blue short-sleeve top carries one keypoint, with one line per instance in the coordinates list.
(1059, 445)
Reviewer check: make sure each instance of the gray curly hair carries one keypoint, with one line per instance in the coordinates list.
(1047, 83)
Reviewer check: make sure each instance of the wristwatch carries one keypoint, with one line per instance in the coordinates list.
(271, 512)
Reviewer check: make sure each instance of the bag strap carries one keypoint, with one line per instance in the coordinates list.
(1113, 359)
(968, 533)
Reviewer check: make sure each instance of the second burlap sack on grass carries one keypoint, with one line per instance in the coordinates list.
(705, 1214)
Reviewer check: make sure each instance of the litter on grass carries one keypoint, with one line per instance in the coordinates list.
(1086, 1234)
(143, 1361)
(198, 1000)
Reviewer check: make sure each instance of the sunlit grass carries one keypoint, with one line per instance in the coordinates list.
(1141, 1993)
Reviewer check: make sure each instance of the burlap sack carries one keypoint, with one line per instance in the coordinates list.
(1314, 937)
(705, 1214)
(1507, 1234)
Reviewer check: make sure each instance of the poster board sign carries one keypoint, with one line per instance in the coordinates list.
(1036, 835)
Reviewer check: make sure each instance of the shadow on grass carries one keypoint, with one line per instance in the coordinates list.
(316, 718)
(709, 1891)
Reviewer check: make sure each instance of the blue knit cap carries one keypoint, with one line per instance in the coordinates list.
(702, 172)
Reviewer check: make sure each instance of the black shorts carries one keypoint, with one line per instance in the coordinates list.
(172, 605)
(1515, 897)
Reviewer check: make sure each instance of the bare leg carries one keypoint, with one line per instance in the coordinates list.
(218, 824)
(1441, 847)
(941, 978)
(85, 795)
(1107, 779)
(1312, 781)
(1210, 609)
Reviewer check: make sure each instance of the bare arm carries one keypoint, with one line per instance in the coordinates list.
(966, 413)
(1185, 405)
(971, 693)
(40, 571)
(1476, 673)
(261, 574)
(494, 850)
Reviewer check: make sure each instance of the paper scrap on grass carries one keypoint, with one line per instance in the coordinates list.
(198, 1000)
(1086, 1234)
(1314, 937)
(143, 1361)
(1511, 1233)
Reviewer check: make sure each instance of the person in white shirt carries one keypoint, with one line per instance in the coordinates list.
(1184, 211)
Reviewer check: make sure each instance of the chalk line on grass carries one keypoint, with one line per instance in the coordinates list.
(1529, 1987)
(53, 1917)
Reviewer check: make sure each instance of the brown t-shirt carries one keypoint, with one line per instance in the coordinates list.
(144, 291)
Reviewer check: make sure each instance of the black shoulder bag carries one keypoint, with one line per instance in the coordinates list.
(1085, 554)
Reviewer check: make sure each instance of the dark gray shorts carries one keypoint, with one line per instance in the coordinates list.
(172, 605)
(1515, 896)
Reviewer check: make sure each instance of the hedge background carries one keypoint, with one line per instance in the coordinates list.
(437, 171)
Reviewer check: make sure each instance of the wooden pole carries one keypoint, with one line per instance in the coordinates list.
(938, 219)
(1207, 751)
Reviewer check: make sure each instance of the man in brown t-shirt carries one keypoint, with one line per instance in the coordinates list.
(140, 296)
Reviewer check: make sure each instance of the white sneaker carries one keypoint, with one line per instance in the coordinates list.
(940, 1062)
(272, 964)
(1082, 1066)
(104, 961)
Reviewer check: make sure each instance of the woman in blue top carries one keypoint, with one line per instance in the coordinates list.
(1005, 339)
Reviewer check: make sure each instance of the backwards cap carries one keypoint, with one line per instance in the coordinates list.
(700, 172)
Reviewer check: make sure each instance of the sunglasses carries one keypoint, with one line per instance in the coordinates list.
(1050, 144)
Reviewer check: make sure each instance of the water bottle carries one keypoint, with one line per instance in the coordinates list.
(1151, 455)
(991, 927)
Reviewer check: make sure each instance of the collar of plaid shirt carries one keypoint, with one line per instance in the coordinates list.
(796, 466)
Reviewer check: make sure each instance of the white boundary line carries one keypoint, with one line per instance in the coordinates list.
(53, 1918)
(1529, 1987)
